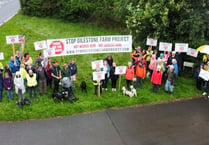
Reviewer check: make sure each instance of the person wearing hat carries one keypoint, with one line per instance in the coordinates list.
(156, 79)
(129, 74)
(140, 71)
(171, 80)
(19, 86)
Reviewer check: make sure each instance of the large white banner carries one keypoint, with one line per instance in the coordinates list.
(192, 52)
(164, 46)
(204, 74)
(97, 63)
(1, 56)
(119, 70)
(89, 45)
(181, 47)
(151, 42)
(15, 39)
(97, 76)
(40, 45)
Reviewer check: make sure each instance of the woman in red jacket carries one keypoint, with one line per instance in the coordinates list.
(156, 79)
(129, 75)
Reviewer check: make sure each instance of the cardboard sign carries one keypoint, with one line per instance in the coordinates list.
(97, 76)
(1, 56)
(164, 46)
(181, 47)
(119, 70)
(151, 42)
(97, 63)
(48, 53)
(204, 74)
(21, 39)
(192, 52)
(40, 45)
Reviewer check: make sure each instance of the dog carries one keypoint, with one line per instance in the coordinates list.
(133, 90)
(83, 86)
(126, 92)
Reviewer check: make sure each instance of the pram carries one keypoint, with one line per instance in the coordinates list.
(67, 91)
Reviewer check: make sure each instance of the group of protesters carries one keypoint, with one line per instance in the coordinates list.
(23, 75)
(161, 68)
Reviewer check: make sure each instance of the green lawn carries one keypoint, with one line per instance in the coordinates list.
(36, 29)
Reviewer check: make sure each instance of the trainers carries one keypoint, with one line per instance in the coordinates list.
(204, 93)
(106, 89)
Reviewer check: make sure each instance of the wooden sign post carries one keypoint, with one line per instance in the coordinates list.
(119, 82)
(120, 70)
(98, 82)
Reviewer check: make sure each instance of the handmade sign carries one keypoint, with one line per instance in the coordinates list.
(204, 74)
(181, 47)
(40, 45)
(1, 56)
(119, 70)
(192, 52)
(151, 42)
(15, 39)
(164, 46)
(90, 45)
(97, 76)
(97, 63)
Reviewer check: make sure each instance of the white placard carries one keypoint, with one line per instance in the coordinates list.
(181, 47)
(151, 42)
(90, 45)
(97, 76)
(192, 52)
(12, 39)
(1, 56)
(164, 46)
(204, 74)
(119, 70)
(188, 64)
(48, 53)
(40, 45)
(97, 63)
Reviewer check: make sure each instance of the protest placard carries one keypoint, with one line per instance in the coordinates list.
(151, 42)
(12, 39)
(97, 76)
(164, 46)
(192, 52)
(181, 47)
(40, 45)
(97, 63)
(119, 70)
(1, 56)
(90, 45)
(204, 74)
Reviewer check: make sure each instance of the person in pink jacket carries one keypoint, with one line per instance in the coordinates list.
(153, 64)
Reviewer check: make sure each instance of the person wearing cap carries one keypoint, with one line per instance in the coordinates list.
(156, 79)
(19, 86)
(140, 71)
(14, 65)
(171, 80)
(129, 75)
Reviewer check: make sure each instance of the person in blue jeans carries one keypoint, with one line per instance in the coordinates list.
(8, 85)
(1, 84)
(171, 80)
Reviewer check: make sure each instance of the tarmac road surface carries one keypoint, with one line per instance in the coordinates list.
(8, 8)
(176, 123)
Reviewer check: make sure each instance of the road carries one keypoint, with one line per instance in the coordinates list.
(8, 8)
(177, 123)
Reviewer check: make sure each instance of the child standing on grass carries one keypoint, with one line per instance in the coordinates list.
(129, 75)
(8, 85)
(113, 77)
(96, 84)
(156, 79)
(31, 83)
(19, 86)
(171, 80)
(106, 70)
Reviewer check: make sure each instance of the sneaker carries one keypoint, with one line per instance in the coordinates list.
(204, 93)
(106, 89)
(112, 89)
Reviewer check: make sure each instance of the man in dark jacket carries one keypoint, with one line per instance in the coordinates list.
(109, 60)
(56, 76)
(179, 58)
(173, 56)
(73, 70)
(113, 77)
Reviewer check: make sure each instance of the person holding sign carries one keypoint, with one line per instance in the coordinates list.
(113, 77)
(140, 71)
(97, 84)
(56, 75)
(14, 66)
(106, 70)
(27, 59)
(129, 75)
